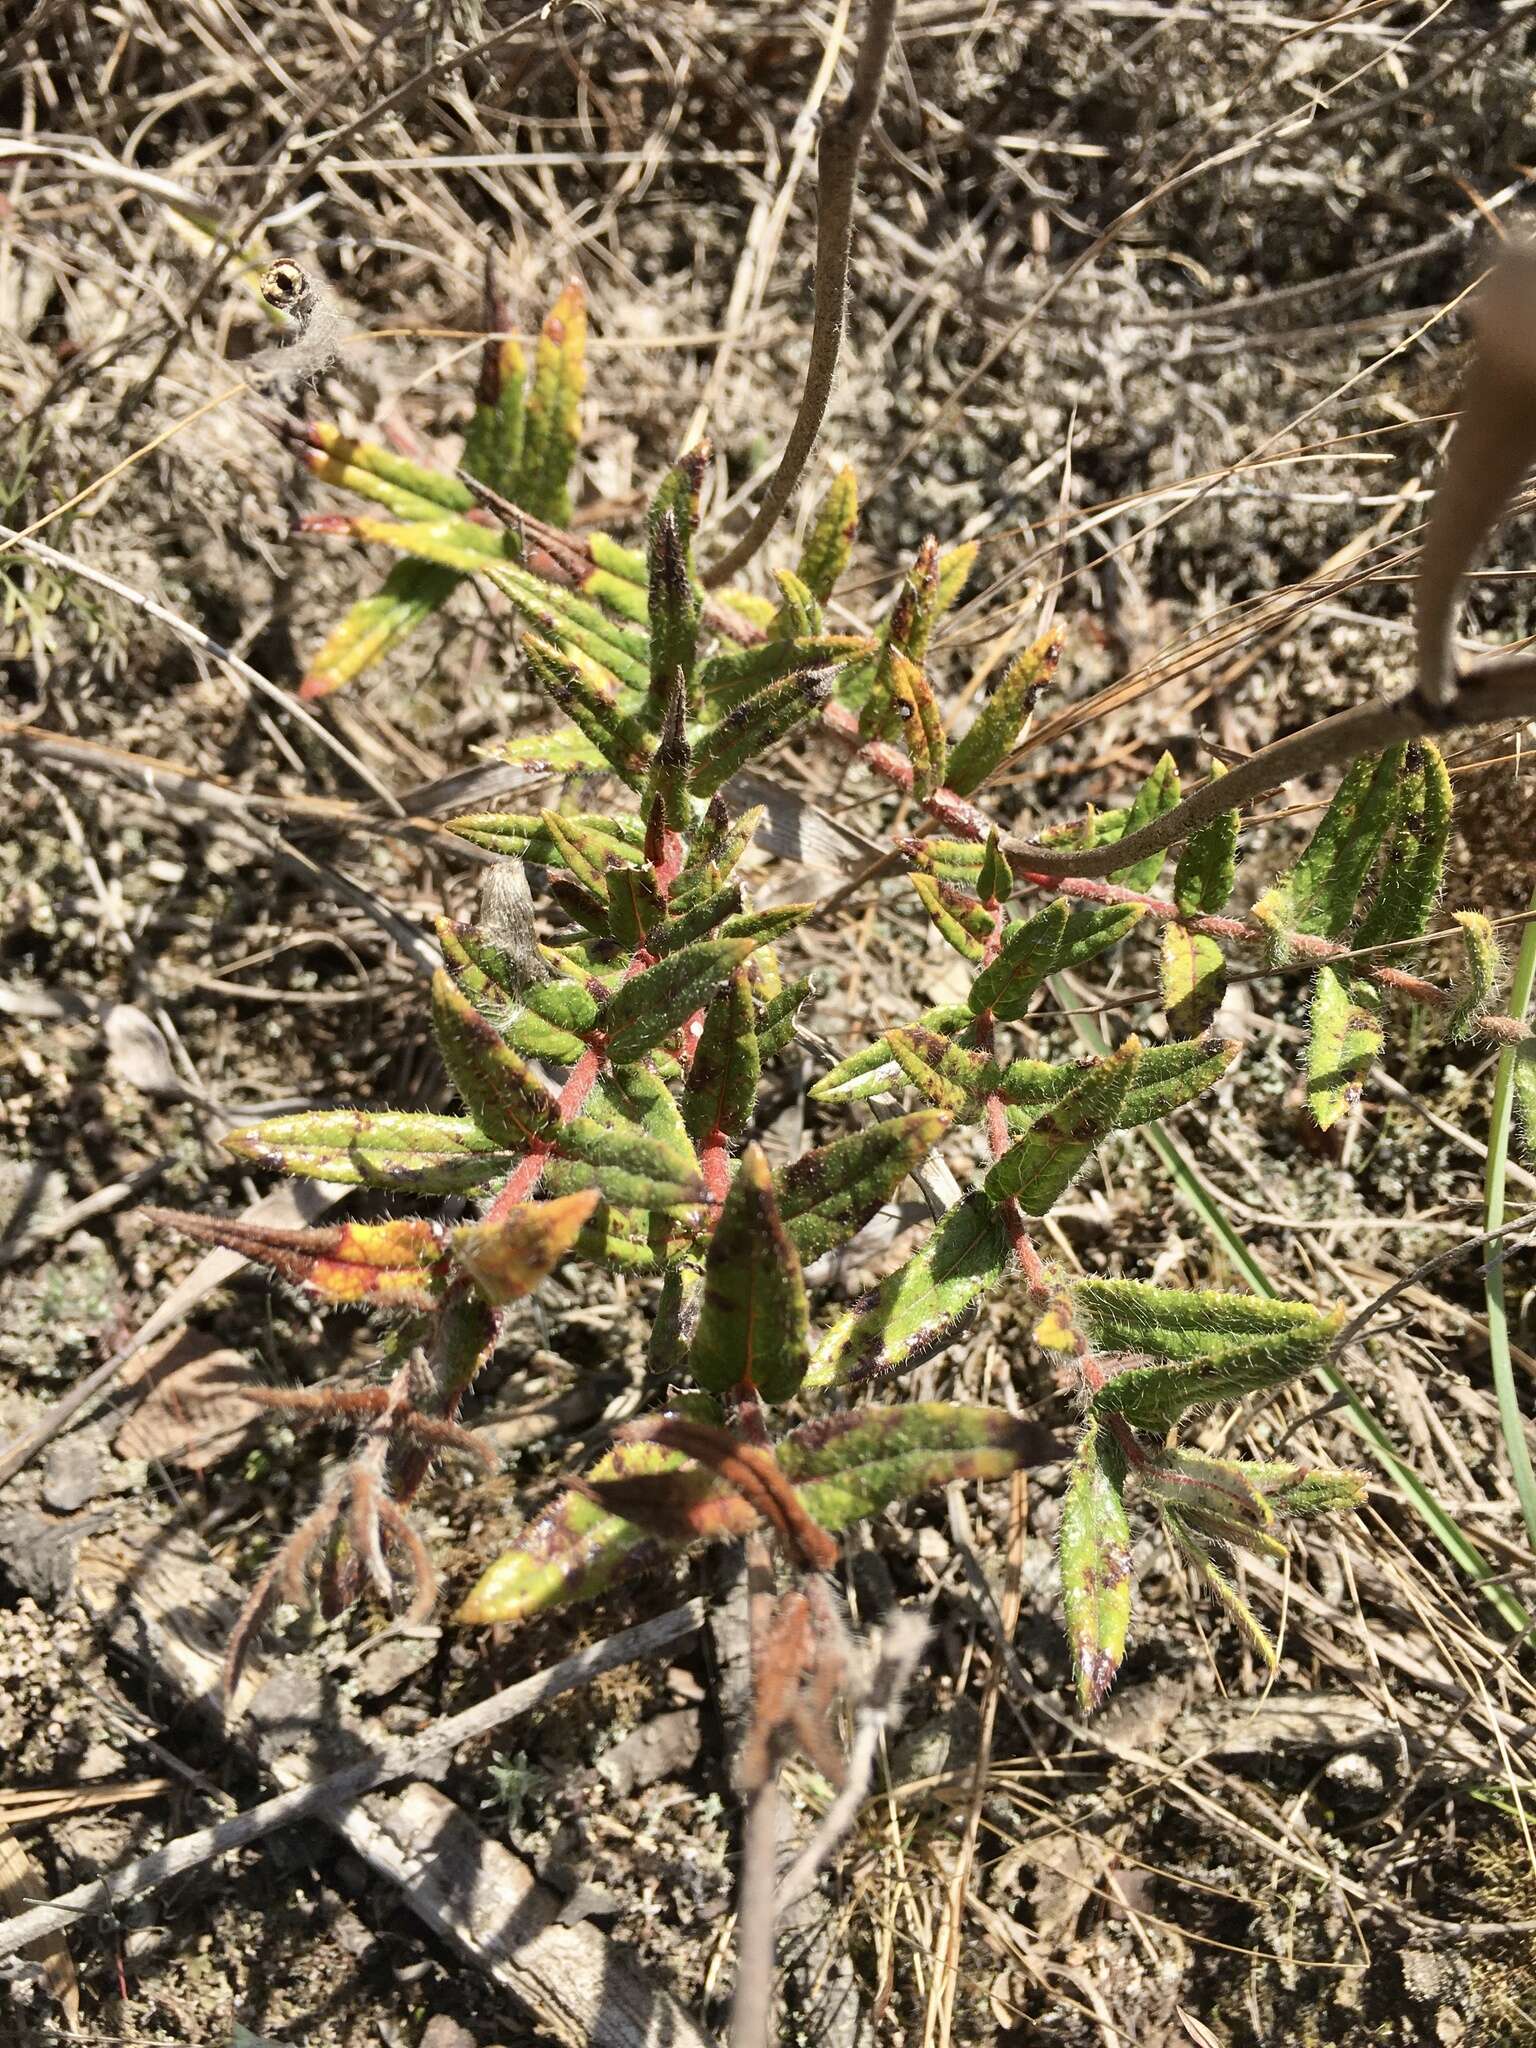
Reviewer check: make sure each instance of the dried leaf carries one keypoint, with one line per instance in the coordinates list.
(508, 1258)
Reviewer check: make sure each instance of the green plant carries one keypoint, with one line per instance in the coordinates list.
(659, 998)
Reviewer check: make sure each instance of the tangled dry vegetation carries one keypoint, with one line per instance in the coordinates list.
(1162, 309)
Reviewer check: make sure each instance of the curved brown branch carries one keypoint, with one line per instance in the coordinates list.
(837, 182)
(1493, 445)
(1491, 693)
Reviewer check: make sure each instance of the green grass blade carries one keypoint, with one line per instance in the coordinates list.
(1511, 1421)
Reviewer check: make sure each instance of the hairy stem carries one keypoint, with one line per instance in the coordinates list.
(837, 181)
(1492, 692)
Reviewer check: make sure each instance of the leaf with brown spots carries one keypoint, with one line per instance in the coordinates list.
(398, 1265)
(754, 1324)
(1096, 1564)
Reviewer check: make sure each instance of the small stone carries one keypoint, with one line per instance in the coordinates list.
(73, 1475)
(349, 1933)
(443, 2032)
(659, 1748)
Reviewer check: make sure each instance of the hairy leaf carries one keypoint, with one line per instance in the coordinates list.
(727, 678)
(1153, 1397)
(1003, 719)
(1159, 793)
(874, 1069)
(1046, 1160)
(1187, 1323)
(1413, 867)
(396, 1265)
(827, 1195)
(920, 1307)
(629, 1167)
(1346, 1038)
(504, 1095)
(798, 615)
(755, 724)
(754, 1320)
(1319, 894)
(1480, 970)
(424, 1155)
(528, 837)
(411, 593)
(648, 1008)
(1029, 952)
(828, 544)
(673, 603)
(1194, 972)
(1096, 1564)
(578, 686)
(724, 1071)
(1207, 868)
(508, 1258)
(1193, 1546)
(552, 422)
(961, 919)
(844, 1469)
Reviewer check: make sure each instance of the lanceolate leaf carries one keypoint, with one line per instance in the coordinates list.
(1096, 1564)
(424, 1155)
(1187, 1323)
(724, 1071)
(798, 615)
(1045, 1161)
(673, 604)
(922, 727)
(844, 1469)
(920, 1307)
(952, 1079)
(827, 1195)
(573, 1550)
(1153, 1397)
(629, 1167)
(1194, 973)
(825, 553)
(776, 1019)
(398, 1265)
(754, 1321)
(1479, 975)
(1195, 1548)
(727, 678)
(508, 1258)
(1002, 721)
(1346, 1038)
(1204, 877)
(577, 686)
(1319, 894)
(1414, 864)
(553, 416)
(412, 592)
(1159, 793)
(1029, 952)
(874, 1071)
(961, 919)
(1164, 1079)
(636, 1098)
(755, 724)
(1199, 1485)
(643, 1011)
(506, 1098)
(528, 837)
